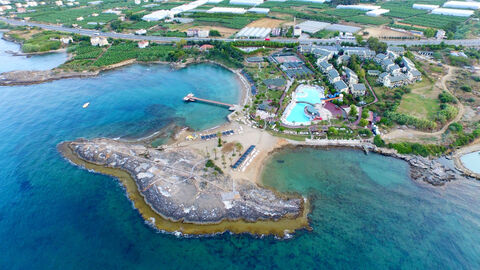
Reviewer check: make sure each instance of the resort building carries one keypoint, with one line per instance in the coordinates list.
(379, 58)
(324, 66)
(333, 76)
(361, 52)
(387, 63)
(373, 72)
(340, 86)
(396, 50)
(350, 76)
(358, 89)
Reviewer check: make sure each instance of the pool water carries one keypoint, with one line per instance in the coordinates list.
(306, 93)
(472, 161)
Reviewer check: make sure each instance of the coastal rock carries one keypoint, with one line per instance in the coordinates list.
(40, 76)
(178, 185)
(423, 169)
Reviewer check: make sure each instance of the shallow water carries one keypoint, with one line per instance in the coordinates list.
(472, 161)
(366, 213)
(10, 62)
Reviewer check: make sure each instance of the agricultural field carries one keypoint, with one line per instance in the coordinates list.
(363, 19)
(234, 21)
(402, 9)
(344, 13)
(434, 20)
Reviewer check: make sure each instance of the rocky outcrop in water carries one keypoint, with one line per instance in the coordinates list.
(178, 185)
(423, 169)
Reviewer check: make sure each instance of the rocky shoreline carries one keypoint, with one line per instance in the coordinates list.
(421, 168)
(178, 185)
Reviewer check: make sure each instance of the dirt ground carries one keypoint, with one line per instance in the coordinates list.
(224, 31)
(383, 31)
(266, 22)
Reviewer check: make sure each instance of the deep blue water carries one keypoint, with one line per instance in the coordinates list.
(36, 62)
(367, 213)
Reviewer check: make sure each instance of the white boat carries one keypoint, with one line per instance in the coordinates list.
(86, 105)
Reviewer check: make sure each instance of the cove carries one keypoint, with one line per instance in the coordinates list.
(10, 62)
(368, 213)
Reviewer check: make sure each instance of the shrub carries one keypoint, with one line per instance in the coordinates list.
(377, 140)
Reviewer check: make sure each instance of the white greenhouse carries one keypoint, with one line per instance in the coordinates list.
(460, 4)
(246, 2)
(425, 7)
(360, 7)
(453, 12)
(377, 12)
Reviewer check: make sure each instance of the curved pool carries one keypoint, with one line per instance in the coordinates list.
(295, 113)
(471, 161)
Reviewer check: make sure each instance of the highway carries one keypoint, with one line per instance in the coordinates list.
(86, 32)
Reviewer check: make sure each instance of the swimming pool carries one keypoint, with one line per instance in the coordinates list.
(295, 114)
(472, 161)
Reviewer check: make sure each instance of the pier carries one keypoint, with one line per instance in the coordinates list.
(190, 98)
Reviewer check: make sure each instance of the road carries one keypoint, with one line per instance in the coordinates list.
(86, 32)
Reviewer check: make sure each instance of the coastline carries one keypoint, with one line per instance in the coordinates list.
(474, 147)
(280, 228)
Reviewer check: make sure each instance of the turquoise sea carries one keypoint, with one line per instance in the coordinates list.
(367, 213)
(10, 62)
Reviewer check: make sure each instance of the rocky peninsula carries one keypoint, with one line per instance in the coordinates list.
(181, 187)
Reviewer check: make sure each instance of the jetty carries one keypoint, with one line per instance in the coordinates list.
(191, 98)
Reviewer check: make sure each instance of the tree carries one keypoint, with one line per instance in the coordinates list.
(376, 45)
(214, 33)
(377, 140)
(429, 32)
(363, 122)
(353, 111)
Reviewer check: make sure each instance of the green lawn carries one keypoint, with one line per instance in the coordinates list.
(419, 105)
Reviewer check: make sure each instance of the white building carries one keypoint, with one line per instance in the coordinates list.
(461, 4)
(425, 7)
(59, 3)
(440, 34)
(79, 19)
(377, 12)
(227, 10)
(142, 44)
(98, 41)
(66, 40)
(453, 12)
(141, 32)
(359, 7)
(246, 2)
(297, 31)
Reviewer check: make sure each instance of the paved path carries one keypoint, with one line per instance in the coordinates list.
(86, 32)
